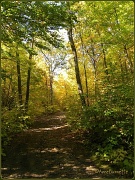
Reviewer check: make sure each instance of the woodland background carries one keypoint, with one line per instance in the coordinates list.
(87, 73)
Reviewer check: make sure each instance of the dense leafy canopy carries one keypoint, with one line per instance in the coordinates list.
(90, 77)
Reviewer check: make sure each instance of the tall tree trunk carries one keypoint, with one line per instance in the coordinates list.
(104, 61)
(85, 73)
(19, 77)
(128, 58)
(28, 80)
(93, 60)
(27, 88)
(104, 58)
(51, 88)
(77, 72)
(86, 84)
(10, 98)
(47, 93)
(95, 68)
(122, 70)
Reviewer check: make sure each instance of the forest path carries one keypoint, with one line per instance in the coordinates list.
(48, 150)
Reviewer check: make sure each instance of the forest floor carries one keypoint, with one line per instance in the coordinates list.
(49, 149)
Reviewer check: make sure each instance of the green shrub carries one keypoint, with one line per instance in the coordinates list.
(13, 122)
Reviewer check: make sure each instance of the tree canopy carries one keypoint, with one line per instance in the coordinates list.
(89, 76)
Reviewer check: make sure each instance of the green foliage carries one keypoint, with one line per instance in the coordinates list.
(51, 109)
(110, 125)
(13, 122)
(106, 50)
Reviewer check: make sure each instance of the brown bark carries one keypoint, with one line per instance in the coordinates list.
(86, 84)
(104, 58)
(128, 58)
(122, 70)
(51, 88)
(85, 73)
(19, 77)
(105, 62)
(28, 79)
(77, 72)
(27, 89)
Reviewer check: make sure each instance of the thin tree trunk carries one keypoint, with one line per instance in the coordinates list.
(47, 94)
(104, 58)
(19, 77)
(86, 84)
(128, 58)
(95, 68)
(28, 80)
(10, 98)
(27, 89)
(77, 72)
(125, 63)
(104, 61)
(85, 73)
(122, 70)
(51, 89)
(51, 84)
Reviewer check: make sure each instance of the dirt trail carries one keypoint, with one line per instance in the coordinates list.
(48, 150)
